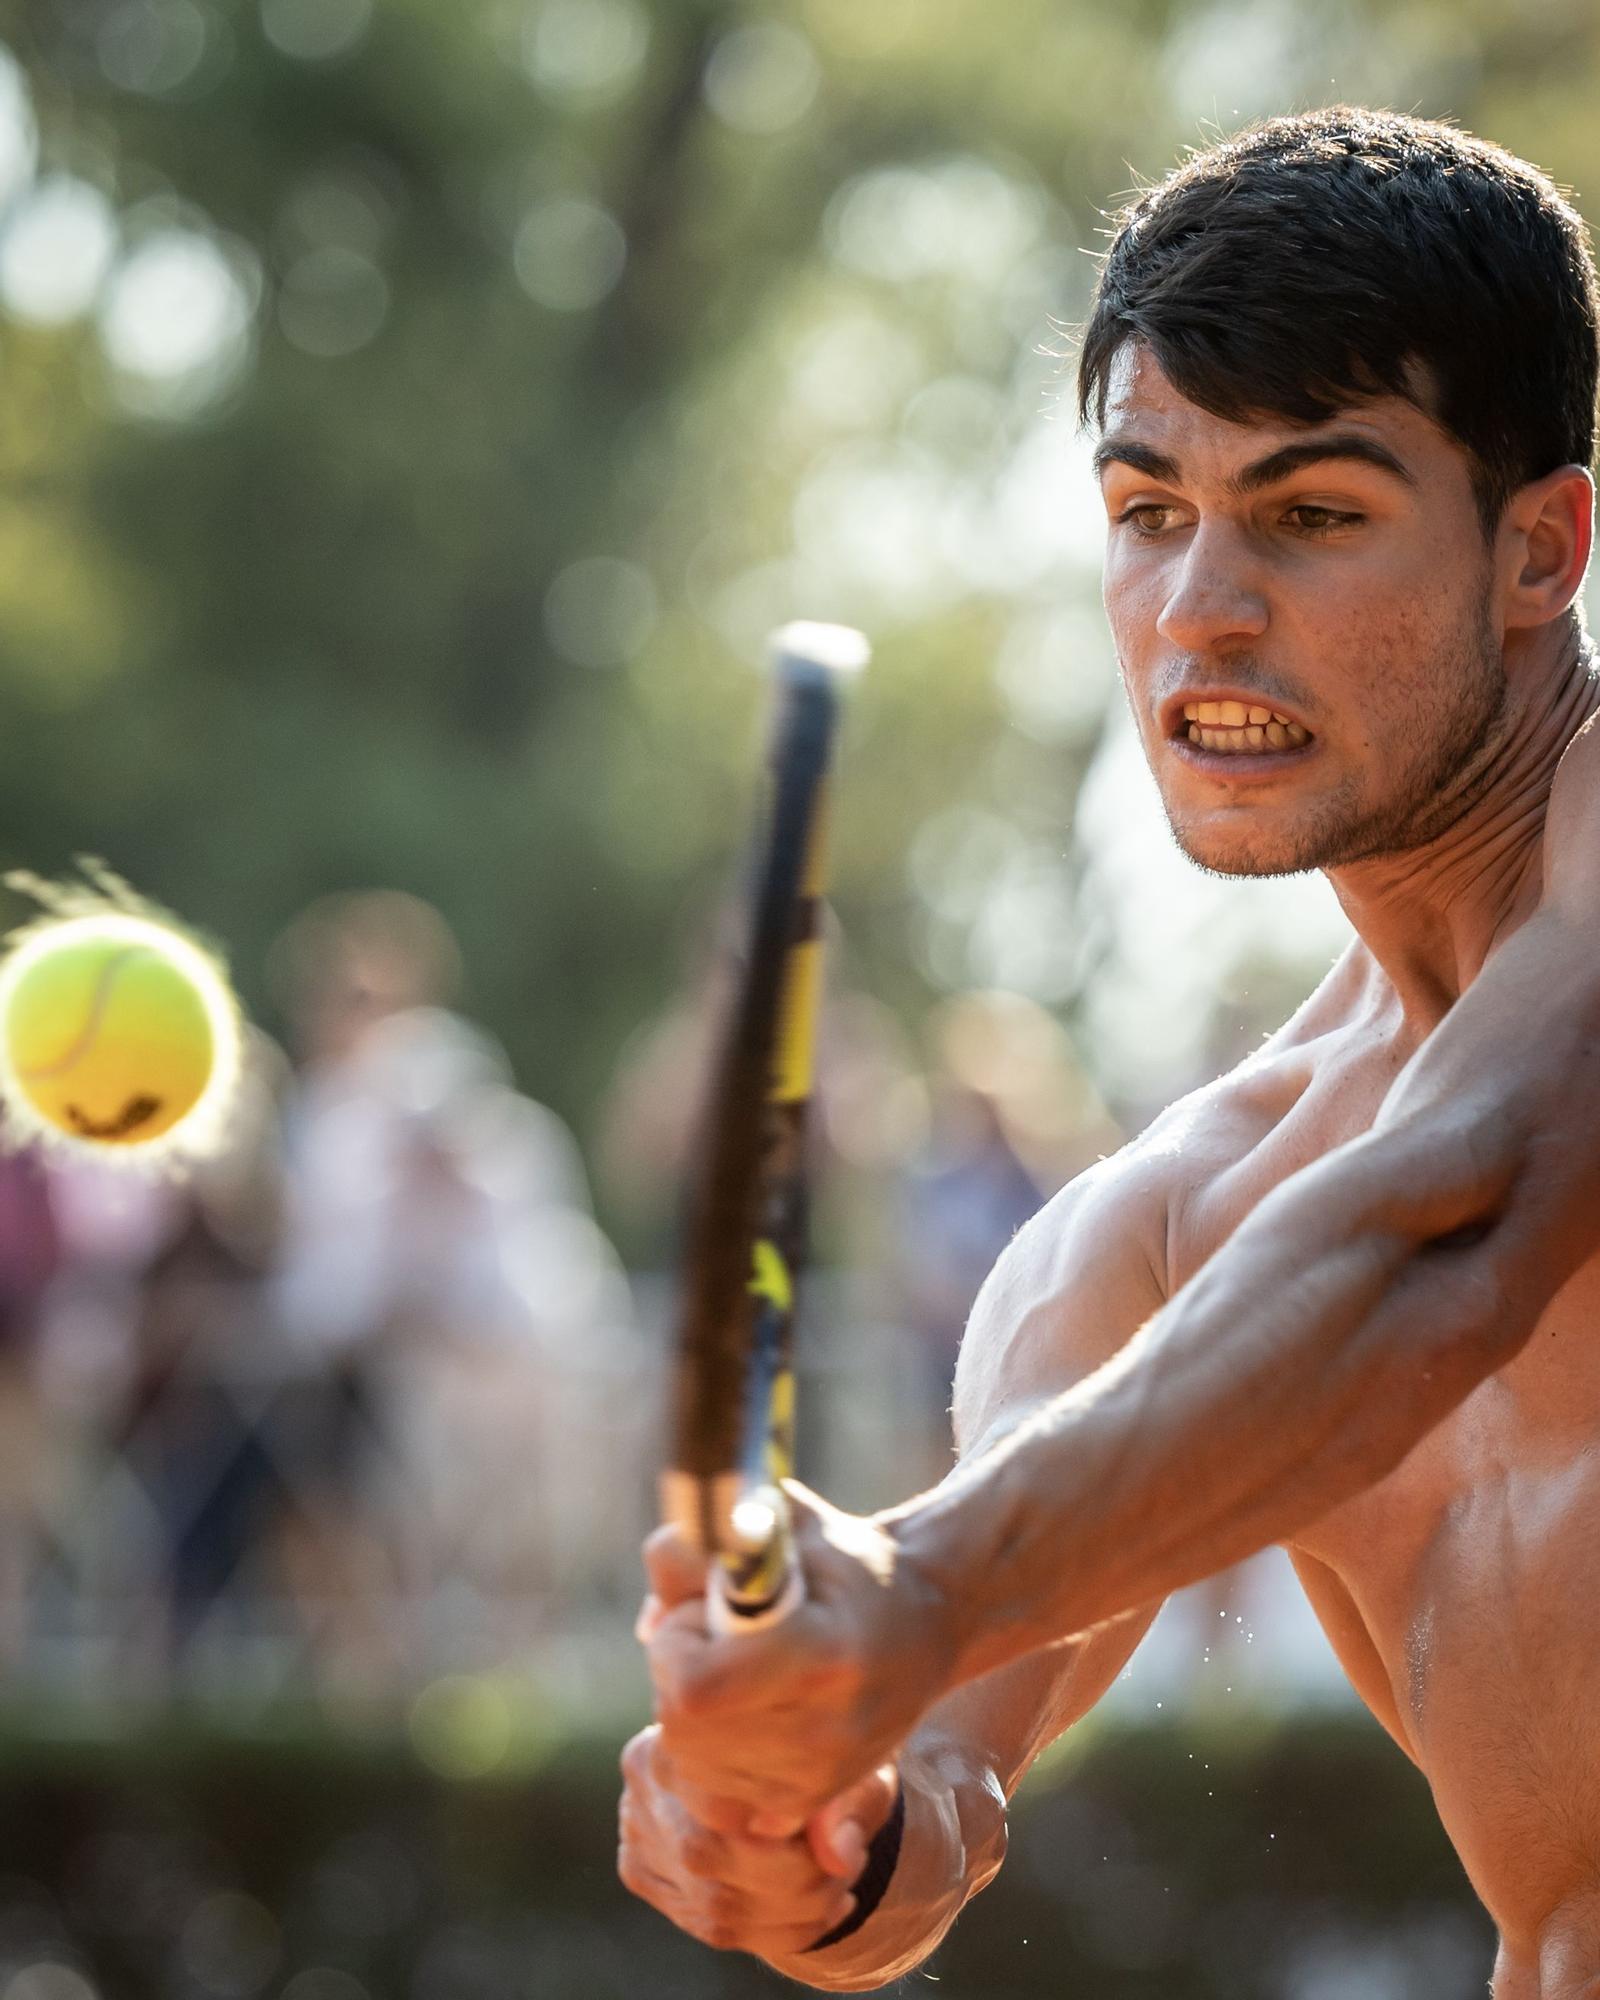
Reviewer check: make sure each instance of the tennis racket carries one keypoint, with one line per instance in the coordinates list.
(733, 1399)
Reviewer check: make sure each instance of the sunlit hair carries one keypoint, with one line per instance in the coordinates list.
(1316, 260)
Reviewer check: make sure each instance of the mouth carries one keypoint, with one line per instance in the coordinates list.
(1234, 732)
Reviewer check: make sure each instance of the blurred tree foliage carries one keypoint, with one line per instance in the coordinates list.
(529, 358)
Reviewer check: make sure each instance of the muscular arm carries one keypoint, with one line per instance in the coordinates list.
(1351, 1311)
(1354, 1308)
(1077, 1284)
(1071, 1290)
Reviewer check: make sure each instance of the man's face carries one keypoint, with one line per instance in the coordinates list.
(1334, 580)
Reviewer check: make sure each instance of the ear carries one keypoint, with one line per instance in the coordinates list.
(1545, 537)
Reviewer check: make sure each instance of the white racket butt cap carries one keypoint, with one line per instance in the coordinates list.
(840, 649)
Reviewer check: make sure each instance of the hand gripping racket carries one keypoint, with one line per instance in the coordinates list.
(732, 1420)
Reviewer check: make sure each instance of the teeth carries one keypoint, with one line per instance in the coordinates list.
(1231, 715)
(1252, 738)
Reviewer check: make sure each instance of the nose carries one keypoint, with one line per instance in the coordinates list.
(1213, 599)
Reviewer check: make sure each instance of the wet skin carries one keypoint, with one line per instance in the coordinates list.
(1457, 1591)
(1345, 1299)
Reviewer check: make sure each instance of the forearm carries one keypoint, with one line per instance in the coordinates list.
(1297, 1368)
(954, 1840)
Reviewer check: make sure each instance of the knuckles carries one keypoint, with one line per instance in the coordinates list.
(691, 1692)
(637, 1758)
(720, 1918)
(700, 1852)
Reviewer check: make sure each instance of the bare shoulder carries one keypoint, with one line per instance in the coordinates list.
(1079, 1280)
(1073, 1285)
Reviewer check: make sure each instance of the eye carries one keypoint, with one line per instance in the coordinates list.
(1147, 519)
(1315, 521)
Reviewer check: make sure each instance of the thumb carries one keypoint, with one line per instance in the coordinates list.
(840, 1833)
(675, 1571)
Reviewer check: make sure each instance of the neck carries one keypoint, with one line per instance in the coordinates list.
(1430, 915)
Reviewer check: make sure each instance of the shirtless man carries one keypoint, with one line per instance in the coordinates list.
(1347, 1299)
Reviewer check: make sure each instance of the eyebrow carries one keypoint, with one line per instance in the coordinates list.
(1261, 472)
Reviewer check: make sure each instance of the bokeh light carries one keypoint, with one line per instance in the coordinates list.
(152, 46)
(315, 30)
(591, 51)
(175, 319)
(570, 253)
(762, 79)
(56, 245)
(19, 131)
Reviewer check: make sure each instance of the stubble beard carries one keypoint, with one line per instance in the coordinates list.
(1454, 762)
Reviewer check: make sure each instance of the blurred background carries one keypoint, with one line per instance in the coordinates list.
(412, 418)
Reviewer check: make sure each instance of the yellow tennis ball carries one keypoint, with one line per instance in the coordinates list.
(114, 1029)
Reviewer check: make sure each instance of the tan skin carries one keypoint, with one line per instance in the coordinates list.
(1344, 1299)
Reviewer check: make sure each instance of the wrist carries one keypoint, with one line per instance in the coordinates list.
(872, 1884)
(955, 1553)
(951, 1843)
(933, 1610)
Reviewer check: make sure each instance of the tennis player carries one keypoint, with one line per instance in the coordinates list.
(1341, 372)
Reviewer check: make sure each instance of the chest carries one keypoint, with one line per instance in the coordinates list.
(1530, 1434)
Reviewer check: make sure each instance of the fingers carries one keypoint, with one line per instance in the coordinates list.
(777, 1719)
(674, 1569)
(840, 1834)
(675, 1574)
(784, 1718)
(725, 1888)
(732, 1920)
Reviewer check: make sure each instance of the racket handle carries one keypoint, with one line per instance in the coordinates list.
(769, 1583)
(725, 1618)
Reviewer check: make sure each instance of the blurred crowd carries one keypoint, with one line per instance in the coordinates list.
(331, 1401)
(369, 1397)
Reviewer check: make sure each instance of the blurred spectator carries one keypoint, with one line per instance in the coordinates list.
(459, 1323)
(1011, 1116)
(151, 1356)
(864, 1112)
(202, 1364)
(30, 1254)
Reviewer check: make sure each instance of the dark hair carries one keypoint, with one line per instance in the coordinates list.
(1315, 260)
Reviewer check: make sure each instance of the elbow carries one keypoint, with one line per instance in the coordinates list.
(1462, 1317)
(985, 1831)
(860, 1982)
(1434, 1181)
(983, 1864)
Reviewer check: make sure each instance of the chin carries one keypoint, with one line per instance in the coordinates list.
(1253, 851)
